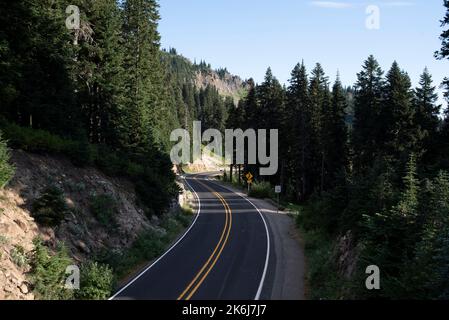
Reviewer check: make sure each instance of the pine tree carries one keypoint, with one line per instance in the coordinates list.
(444, 54)
(319, 99)
(336, 136)
(399, 135)
(298, 113)
(36, 87)
(143, 74)
(368, 98)
(99, 71)
(427, 114)
(271, 99)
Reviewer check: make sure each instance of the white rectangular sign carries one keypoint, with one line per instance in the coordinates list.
(278, 189)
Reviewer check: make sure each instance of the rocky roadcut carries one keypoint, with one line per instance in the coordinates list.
(81, 231)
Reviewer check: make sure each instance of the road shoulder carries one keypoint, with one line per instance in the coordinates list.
(287, 282)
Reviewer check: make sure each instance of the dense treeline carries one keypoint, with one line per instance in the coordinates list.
(106, 90)
(378, 176)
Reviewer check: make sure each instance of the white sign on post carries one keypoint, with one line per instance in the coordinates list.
(278, 189)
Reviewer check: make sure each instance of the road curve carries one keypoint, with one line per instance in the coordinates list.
(224, 255)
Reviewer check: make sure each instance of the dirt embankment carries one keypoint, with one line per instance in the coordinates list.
(80, 231)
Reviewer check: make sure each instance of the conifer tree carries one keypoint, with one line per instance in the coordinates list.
(99, 72)
(143, 75)
(427, 114)
(399, 135)
(368, 98)
(336, 135)
(319, 99)
(299, 136)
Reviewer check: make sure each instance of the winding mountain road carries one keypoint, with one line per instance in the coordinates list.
(226, 254)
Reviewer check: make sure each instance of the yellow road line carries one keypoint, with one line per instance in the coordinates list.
(218, 248)
(219, 253)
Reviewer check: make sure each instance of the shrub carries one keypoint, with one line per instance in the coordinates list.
(6, 169)
(48, 272)
(104, 208)
(262, 190)
(50, 208)
(19, 256)
(95, 282)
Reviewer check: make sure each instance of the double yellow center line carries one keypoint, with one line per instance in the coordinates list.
(210, 263)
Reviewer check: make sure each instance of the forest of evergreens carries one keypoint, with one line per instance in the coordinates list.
(104, 94)
(369, 162)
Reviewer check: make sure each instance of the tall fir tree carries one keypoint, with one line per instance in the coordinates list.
(427, 116)
(143, 72)
(443, 53)
(299, 135)
(319, 99)
(367, 104)
(99, 73)
(271, 99)
(336, 136)
(399, 134)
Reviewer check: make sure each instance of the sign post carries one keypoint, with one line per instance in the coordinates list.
(278, 190)
(249, 180)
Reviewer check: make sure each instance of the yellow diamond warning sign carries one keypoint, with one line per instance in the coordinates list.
(249, 177)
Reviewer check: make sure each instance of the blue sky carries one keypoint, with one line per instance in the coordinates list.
(247, 36)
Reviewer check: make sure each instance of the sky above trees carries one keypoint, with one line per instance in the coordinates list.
(248, 36)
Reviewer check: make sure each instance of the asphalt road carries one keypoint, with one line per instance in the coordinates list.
(224, 255)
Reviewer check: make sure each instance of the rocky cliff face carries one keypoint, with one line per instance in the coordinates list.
(227, 84)
(80, 231)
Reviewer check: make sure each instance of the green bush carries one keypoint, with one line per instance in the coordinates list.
(96, 282)
(19, 256)
(261, 190)
(50, 208)
(6, 169)
(48, 272)
(104, 208)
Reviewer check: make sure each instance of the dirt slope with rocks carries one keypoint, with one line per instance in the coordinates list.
(80, 231)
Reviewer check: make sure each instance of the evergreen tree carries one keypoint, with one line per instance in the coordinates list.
(367, 104)
(443, 53)
(336, 136)
(99, 71)
(399, 134)
(271, 98)
(143, 74)
(299, 135)
(427, 115)
(319, 98)
(36, 89)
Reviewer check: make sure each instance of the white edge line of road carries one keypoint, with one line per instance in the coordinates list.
(267, 258)
(169, 250)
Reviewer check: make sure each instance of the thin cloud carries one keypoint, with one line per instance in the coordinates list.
(331, 4)
(398, 4)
